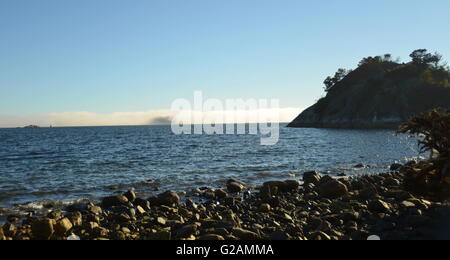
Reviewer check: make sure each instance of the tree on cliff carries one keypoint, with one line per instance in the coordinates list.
(422, 57)
(330, 82)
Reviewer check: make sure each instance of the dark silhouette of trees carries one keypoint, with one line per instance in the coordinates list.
(429, 67)
(330, 82)
(422, 57)
(375, 60)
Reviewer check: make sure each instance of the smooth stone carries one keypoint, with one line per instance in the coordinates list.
(379, 206)
(130, 195)
(63, 226)
(408, 204)
(168, 198)
(333, 189)
(220, 194)
(265, 208)
(140, 210)
(161, 221)
(234, 187)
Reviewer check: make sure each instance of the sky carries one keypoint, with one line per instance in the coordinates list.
(111, 62)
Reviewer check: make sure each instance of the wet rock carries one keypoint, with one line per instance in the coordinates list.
(243, 234)
(77, 207)
(168, 198)
(63, 226)
(292, 185)
(379, 206)
(114, 201)
(333, 189)
(42, 229)
(130, 195)
(234, 187)
(396, 167)
(220, 194)
(272, 188)
(311, 177)
(359, 166)
(212, 237)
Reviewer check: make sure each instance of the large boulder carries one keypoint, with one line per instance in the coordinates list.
(311, 177)
(333, 189)
(42, 229)
(114, 201)
(63, 226)
(235, 187)
(379, 206)
(168, 198)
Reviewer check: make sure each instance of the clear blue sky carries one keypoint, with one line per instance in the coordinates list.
(107, 56)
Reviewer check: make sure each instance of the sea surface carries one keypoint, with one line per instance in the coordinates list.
(67, 164)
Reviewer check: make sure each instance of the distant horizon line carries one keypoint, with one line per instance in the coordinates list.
(40, 127)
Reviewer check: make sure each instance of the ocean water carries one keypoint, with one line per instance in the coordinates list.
(66, 164)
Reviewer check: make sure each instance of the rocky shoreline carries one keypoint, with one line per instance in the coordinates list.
(319, 208)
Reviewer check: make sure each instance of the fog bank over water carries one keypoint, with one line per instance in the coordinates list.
(155, 117)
